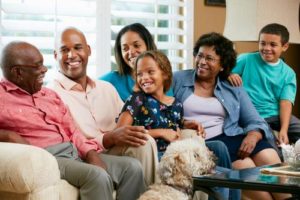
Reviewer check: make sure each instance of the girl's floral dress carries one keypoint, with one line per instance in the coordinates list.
(153, 114)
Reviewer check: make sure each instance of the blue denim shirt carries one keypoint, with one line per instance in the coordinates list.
(241, 116)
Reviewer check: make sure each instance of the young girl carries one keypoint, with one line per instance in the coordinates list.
(149, 106)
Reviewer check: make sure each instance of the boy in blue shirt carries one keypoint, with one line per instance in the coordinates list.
(270, 82)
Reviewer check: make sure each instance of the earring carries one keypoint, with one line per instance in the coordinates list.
(221, 69)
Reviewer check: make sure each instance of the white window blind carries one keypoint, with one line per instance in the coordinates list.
(37, 21)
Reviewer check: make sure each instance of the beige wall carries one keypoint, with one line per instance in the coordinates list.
(212, 18)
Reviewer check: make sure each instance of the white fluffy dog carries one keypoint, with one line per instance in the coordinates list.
(182, 160)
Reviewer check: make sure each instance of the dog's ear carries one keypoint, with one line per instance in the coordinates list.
(166, 168)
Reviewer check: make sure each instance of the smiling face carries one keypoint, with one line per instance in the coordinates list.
(207, 63)
(132, 45)
(150, 77)
(29, 70)
(271, 47)
(72, 54)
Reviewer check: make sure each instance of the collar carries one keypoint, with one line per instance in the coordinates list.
(69, 84)
(190, 82)
(10, 86)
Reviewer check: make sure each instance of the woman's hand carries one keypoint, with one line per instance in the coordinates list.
(249, 144)
(192, 124)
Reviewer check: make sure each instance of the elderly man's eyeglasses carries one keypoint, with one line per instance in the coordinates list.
(208, 59)
(39, 67)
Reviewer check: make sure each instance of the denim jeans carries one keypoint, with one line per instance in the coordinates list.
(223, 165)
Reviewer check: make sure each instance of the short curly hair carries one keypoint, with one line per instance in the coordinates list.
(223, 48)
(163, 63)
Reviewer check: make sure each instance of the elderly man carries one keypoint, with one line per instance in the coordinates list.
(96, 104)
(35, 115)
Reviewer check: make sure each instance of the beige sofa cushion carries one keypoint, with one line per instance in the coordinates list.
(67, 191)
(28, 172)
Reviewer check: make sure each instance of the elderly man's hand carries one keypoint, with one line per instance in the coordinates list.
(10, 136)
(126, 135)
(93, 158)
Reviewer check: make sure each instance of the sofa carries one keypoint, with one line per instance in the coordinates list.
(31, 173)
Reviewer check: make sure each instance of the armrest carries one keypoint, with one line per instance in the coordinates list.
(25, 168)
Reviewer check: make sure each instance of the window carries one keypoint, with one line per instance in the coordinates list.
(35, 21)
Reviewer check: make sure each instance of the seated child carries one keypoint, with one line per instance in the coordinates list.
(149, 105)
(270, 82)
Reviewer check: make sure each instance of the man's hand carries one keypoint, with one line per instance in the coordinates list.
(126, 135)
(93, 158)
(249, 144)
(235, 80)
(192, 124)
(10, 136)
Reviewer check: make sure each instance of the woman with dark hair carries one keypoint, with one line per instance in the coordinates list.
(131, 41)
(225, 112)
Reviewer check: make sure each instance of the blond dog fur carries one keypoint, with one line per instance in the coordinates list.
(182, 160)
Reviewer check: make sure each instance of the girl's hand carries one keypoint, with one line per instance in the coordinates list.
(192, 124)
(170, 135)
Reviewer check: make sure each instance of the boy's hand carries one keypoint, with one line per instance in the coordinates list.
(235, 80)
(283, 137)
(192, 124)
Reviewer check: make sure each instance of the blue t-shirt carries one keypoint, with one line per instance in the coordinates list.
(123, 83)
(153, 114)
(266, 84)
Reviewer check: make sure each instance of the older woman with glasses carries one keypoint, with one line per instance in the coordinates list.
(225, 112)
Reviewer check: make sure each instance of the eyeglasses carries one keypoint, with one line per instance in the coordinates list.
(208, 59)
(38, 67)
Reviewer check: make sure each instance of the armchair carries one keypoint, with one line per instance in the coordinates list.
(31, 173)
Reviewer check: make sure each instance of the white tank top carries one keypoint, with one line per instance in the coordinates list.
(206, 110)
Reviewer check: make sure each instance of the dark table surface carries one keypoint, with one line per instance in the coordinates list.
(251, 179)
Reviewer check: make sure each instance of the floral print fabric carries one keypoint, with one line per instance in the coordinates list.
(153, 114)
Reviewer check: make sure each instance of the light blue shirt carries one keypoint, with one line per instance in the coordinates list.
(266, 84)
(241, 116)
(123, 83)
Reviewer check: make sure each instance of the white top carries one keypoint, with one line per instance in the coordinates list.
(207, 111)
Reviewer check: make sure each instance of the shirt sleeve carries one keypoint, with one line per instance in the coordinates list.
(289, 89)
(249, 117)
(73, 133)
(180, 111)
(240, 65)
(134, 104)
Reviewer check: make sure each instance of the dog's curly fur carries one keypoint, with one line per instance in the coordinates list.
(182, 160)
